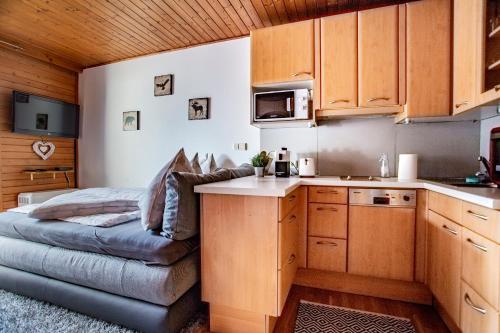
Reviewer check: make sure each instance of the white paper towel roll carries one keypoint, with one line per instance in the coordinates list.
(408, 168)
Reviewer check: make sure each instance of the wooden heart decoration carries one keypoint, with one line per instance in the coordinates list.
(44, 149)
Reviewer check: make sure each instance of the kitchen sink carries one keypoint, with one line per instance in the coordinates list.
(487, 185)
(460, 182)
(361, 178)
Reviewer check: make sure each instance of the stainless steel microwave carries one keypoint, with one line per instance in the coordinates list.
(281, 105)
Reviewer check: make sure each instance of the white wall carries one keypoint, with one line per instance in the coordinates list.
(109, 156)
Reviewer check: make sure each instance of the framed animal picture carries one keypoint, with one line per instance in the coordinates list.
(198, 108)
(164, 85)
(131, 121)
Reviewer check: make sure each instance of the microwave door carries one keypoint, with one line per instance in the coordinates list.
(276, 105)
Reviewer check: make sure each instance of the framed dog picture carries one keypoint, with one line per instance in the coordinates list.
(131, 121)
(198, 108)
(164, 85)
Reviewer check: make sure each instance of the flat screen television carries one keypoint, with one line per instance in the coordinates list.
(44, 116)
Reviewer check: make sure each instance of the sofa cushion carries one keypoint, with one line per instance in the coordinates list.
(209, 165)
(152, 203)
(195, 164)
(181, 219)
(243, 170)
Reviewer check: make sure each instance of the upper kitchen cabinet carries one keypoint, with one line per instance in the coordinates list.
(283, 53)
(489, 50)
(465, 34)
(428, 58)
(378, 57)
(339, 65)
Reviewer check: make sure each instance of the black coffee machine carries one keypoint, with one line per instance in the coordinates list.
(282, 164)
(495, 155)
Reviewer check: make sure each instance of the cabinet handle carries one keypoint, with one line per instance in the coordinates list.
(293, 197)
(324, 208)
(497, 87)
(327, 191)
(300, 73)
(338, 101)
(292, 218)
(479, 216)
(476, 245)
(291, 259)
(326, 243)
(461, 104)
(472, 305)
(378, 99)
(451, 231)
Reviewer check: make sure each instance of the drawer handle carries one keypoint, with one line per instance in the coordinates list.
(476, 245)
(472, 305)
(300, 73)
(330, 209)
(461, 104)
(451, 231)
(291, 259)
(292, 218)
(326, 243)
(479, 216)
(293, 197)
(327, 191)
(339, 101)
(378, 99)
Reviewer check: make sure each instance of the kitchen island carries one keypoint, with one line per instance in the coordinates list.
(261, 235)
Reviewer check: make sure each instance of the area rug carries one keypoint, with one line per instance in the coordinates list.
(19, 314)
(319, 318)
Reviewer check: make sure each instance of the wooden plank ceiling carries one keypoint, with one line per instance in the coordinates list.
(80, 33)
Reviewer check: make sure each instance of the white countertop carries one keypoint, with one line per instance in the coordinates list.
(280, 187)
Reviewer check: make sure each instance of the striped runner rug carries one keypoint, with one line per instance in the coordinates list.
(322, 318)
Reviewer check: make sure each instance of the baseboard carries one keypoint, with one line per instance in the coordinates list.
(414, 292)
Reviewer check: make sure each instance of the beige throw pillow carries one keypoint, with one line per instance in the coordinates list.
(195, 164)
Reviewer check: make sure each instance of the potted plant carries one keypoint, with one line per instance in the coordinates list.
(259, 162)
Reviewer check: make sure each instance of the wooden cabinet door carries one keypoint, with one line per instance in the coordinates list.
(339, 61)
(465, 36)
(428, 58)
(444, 263)
(283, 53)
(378, 56)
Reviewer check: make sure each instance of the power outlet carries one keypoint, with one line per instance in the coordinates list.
(240, 146)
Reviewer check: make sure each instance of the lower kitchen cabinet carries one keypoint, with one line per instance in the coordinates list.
(477, 315)
(444, 263)
(327, 254)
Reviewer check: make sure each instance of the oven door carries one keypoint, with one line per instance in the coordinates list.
(274, 105)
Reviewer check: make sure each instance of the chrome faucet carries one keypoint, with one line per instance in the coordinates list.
(487, 166)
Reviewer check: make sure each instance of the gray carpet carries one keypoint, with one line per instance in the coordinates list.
(19, 314)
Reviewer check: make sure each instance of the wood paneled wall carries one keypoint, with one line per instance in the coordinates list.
(19, 72)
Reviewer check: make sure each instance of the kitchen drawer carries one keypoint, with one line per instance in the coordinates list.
(287, 203)
(288, 237)
(481, 266)
(477, 316)
(327, 220)
(327, 254)
(446, 206)
(482, 220)
(328, 194)
(286, 275)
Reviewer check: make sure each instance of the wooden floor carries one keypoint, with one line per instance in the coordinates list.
(425, 318)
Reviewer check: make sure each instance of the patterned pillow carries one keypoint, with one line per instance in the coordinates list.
(209, 165)
(181, 219)
(152, 203)
(195, 164)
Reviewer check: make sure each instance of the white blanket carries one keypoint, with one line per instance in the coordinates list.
(91, 201)
(97, 220)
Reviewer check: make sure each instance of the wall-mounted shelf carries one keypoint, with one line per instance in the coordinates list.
(495, 65)
(54, 173)
(495, 33)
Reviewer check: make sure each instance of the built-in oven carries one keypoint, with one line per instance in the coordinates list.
(282, 105)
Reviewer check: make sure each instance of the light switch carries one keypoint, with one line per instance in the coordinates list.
(240, 146)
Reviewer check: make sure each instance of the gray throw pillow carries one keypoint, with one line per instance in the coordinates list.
(243, 170)
(209, 165)
(152, 203)
(181, 219)
(195, 164)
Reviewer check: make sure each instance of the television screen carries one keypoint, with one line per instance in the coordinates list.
(44, 116)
